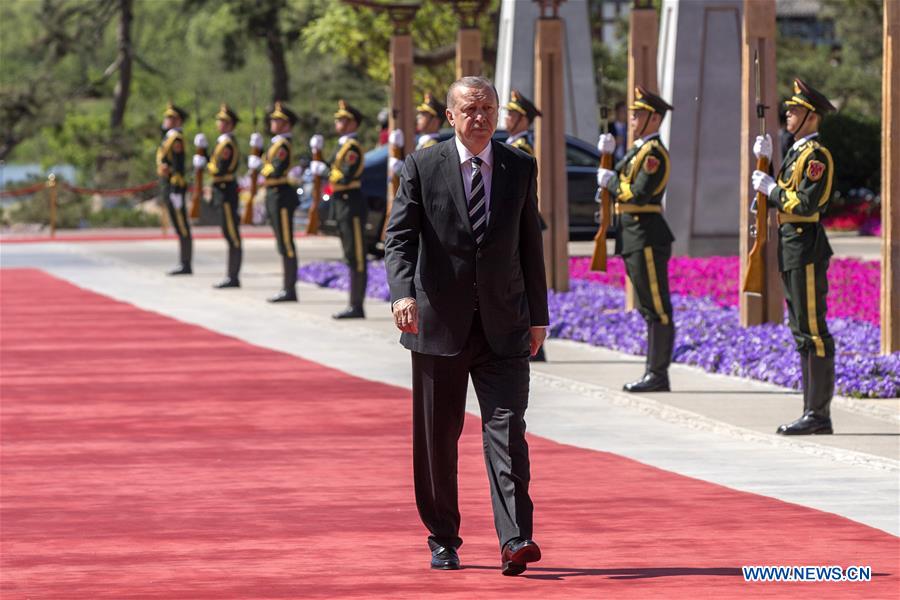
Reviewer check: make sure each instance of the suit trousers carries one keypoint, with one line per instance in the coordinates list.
(439, 401)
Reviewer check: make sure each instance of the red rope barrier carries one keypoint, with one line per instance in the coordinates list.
(25, 191)
(33, 189)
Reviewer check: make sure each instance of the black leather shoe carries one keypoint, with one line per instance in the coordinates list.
(350, 313)
(181, 270)
(444, 559)
(517, 554)
(228, 282)
(284, 296)
(809, 424)
(650, 382)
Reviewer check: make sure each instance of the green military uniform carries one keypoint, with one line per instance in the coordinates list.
(281, 201)
(170, 166)
(801, 195)
(222, 168)
(432, 108)
(644, 240)
(520, 105)
(350, 209)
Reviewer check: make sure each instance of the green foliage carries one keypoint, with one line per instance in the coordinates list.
(123, 216)
(855, 146)
(72, 211)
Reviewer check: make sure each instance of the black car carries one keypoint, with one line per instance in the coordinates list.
(582, 160)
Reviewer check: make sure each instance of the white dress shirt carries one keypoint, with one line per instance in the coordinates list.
(465, 166)
(803, 140)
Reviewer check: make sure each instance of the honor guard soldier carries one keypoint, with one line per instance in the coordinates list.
(222, 167)
(172, 184)
(520, 114)
(643, 238)
(349, 207)
(281, 194)
(430, 117)
(801, 193)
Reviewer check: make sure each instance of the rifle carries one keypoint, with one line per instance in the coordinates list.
(393, 182)
(247, 217)
(598, 260)
(312, 225)
(755, 277)
(197, 192)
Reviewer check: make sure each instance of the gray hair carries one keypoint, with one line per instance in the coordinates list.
(471, 81)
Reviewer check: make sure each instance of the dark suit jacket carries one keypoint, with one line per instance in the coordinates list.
(431, 254)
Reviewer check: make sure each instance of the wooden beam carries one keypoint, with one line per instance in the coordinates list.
(890, 181)
(759, 40)
(550, 146)
(468, 52)
(643, 41)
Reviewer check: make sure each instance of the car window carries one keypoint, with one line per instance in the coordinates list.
(576, 157)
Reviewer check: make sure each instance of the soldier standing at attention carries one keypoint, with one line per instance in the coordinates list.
(801, 193)
(643, 238)
(429, 118)
(222, 167)
(350, 210)
(520, 114)
(281, 195)
(172, 184)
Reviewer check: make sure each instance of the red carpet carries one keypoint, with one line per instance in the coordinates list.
(146, 458)
(100, 236)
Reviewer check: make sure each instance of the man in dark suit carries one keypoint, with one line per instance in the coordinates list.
(466, 271)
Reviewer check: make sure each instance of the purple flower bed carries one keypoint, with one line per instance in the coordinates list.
(854, 285)
(708, 334)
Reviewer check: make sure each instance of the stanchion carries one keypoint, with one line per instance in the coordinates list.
(51, 185)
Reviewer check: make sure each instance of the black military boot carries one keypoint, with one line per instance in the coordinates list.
(289, 293)
(358, 283)
(816, 417)
(234, 267)
(185, 247)
(660, 341)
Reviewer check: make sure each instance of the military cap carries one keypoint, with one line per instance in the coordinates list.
(647, 100)
(175, 111)
(227, 114)
(432, 106)
(280, 111)
(521, 104)
(807, 97)
(345, 111)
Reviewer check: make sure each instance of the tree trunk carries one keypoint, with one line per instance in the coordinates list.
(275, 52)
(123, 85)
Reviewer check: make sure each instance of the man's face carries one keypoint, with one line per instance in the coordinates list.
(343, 126)
(277, 126)
(795, 116)
(171, 122)
(474, 116)
(515, 122)
(224, 125)
(643, 122)
(426, 123)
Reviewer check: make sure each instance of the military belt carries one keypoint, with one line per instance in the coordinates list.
(789, 218)
(622, 208)
(350, 186)
(177, 180)
(223, 178)
(279, 181)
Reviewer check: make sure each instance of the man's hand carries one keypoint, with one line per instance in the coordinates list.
(538, 335)
(604, 176)
(406, 316)
(606, 144)
(763, 146)
(763, 182)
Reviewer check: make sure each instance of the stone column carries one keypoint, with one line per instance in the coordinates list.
(468, 38)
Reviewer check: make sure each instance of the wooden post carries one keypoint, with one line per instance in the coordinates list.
(468, 38)
(550, 143)
(890, 181)
(759, 40)
(643, 41)
(54, 200)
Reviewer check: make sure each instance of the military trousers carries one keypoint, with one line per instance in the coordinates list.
(648, 270)
(350, 212)
(176, 205)
(805, 291)
(280, 206)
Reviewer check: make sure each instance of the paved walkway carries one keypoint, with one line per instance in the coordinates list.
(713, 428)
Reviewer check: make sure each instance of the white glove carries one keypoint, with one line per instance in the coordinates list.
(254, 163)
(199, 161)
(200, 141)
(177, 200)
(607, 143)
(763, 146)
(395, 138)
(256, 141)
(395, 165)
(317, 167)
(763, 182)
(604, 176)
(316, 142)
